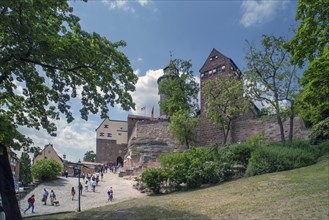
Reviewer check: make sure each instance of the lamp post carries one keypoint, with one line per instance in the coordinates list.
(79, 170)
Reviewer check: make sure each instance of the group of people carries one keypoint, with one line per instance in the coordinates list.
(91, 180)
(31, 199)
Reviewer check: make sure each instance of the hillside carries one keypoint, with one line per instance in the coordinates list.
(297, 194)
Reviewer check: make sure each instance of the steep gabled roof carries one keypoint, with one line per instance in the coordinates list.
(210, 64)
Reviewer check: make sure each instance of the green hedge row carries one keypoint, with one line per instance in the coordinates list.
(198, 166)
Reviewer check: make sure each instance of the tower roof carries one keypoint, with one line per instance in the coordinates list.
(214, 59)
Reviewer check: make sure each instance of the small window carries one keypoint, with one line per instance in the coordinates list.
(106, 126)
(49, 151)
(206, 74)
(119, 134)
(101, 134)
(109, 135)
(121, 128)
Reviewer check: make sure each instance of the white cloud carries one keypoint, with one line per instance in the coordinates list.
(73, 139)
(143, 2)
(119, 4)
(139, 59)
(146, 93)
(124, 5)
(260, 12)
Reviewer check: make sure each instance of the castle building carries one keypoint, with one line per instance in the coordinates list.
(215, 64)
(139, 141)
(111, 141)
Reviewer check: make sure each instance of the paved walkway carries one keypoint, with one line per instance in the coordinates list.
(122, 190)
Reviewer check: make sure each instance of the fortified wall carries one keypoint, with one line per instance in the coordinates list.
(242, 129)
(148, 140)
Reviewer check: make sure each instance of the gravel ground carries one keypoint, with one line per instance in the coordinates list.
(122, 190)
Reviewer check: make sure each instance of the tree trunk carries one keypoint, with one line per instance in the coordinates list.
(292, 115)
(7, 189)
(187, 143)
(283, 140)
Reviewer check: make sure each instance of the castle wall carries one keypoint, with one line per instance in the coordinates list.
(108, 151)
(149, 139)
(244, 128)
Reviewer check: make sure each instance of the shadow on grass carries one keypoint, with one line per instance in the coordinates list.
(147, 212)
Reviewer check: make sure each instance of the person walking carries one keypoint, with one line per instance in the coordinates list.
(52, 197)
(72, 192)
(30, 201)
(45, 196)
(110, 194)
(86, 186)
(80, 188)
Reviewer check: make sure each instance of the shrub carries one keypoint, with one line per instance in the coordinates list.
(267, 159)
(257, 139)
(323, 148)
(153, 178)
(320, 132)
(46, 170)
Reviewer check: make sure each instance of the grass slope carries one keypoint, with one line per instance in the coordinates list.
(297, 194)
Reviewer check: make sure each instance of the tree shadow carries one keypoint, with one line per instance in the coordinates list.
(145, 212)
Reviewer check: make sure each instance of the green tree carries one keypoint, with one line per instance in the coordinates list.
(270, 77)
(224, 102)
(46, 60)
(25, 175)
(46, 170)
(181, 92)
(90, 156)
(310, 46)
(182, 126)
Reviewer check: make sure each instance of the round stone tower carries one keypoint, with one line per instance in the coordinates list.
(169, 71)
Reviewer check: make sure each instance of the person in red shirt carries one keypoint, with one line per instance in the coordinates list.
(31, 204)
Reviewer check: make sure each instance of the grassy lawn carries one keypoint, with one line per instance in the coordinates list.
(297, 194)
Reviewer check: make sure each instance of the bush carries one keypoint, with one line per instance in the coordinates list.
(46, 170)
(320, 132)
(323, 148)
(153, 178)
(268, 159)
(257, 139)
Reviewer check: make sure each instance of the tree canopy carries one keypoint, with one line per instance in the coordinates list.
(224, 101)
(46, 61)
(90, 156)
(181, 92)
(182, 126)
(270, 78)
(310, 46)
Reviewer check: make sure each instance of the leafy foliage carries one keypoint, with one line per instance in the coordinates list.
(46, 170)
(25, 175)
(268, 159)
(257, 139)
(224, 101)
(153, 178)
(46, 59)
(310, 45)
(320, 132)
(182, 126)
(90, 156)
(180, 92)
(270, 77)
(46, 62)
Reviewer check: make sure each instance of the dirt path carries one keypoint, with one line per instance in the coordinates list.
(122, 190)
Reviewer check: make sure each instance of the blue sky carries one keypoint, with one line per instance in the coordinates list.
(191, 29)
